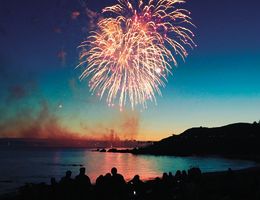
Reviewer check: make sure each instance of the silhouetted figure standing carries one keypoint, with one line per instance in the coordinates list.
(100, 181)
(67, 178)
(117, 178)
(108, 187)
(178, 176)
(100, 189)
(82, 183)
(82, 179)
(118, 185)
(54, 188)
(66, 186)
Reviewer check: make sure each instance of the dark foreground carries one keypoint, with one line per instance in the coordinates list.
(243, 184)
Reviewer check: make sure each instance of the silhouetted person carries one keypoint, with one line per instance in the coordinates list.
(53, 181)
(178, 176)
(67, 178)
(136, 180)
(194, 174)
(107, 180)
(184, 175)
(170, 175)
(136, 187)
(66, 186)
(82, 180)
(100, 187)
(105, 186)
(118, 178)
(118, 184)
(82, 183)
(53, 189)
(165, 176)
(100, 181)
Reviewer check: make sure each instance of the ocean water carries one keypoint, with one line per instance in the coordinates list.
(39, 165)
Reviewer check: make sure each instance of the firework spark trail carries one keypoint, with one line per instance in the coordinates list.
(129, 56)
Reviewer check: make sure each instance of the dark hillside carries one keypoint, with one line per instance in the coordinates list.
(241, 139)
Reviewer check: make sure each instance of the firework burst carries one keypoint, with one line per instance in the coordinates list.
(129, 56)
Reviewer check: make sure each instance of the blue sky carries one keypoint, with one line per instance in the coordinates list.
(216, 85)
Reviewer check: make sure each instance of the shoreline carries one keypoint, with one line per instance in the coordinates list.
(255, 158)
(251, 172)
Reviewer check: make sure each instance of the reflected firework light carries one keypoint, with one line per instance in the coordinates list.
(129, 56)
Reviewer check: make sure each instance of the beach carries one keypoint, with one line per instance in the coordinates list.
(229, 184)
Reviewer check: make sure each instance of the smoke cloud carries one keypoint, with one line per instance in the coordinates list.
(28, 123)
(123, 126)
(20, 91)
(42, 122)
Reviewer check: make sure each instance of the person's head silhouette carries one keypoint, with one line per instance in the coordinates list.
(82, 170)
(136, 178)
(68, 174)
(113, 171)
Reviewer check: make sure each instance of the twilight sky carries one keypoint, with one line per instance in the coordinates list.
(41, 95)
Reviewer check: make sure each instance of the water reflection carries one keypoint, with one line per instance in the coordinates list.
(147, 167)
(39, 165)
(127, 164)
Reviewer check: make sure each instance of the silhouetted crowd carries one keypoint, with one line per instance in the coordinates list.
(183, 185)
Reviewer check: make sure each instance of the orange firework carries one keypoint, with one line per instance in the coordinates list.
(129, 57)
